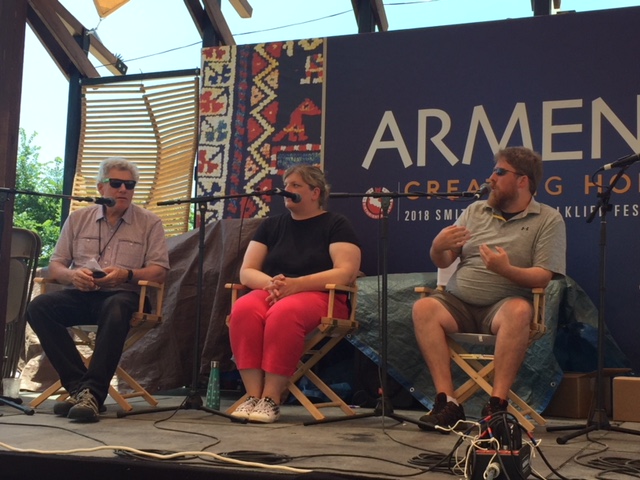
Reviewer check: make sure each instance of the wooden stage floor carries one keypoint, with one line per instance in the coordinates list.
(373, 447)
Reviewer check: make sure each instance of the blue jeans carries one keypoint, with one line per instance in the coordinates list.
(49, 316)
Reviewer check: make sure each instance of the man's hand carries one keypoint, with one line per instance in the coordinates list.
(82, 279)
(496, 261)
(451, 238)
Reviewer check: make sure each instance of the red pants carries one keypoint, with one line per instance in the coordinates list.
(271, 338)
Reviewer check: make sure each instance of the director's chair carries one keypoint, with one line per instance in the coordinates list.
(84, 335)
(318, 343)
(479, 367)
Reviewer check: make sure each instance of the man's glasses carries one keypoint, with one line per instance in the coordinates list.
(501, 172)
(115, 183)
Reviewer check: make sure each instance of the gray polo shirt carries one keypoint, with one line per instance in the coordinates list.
(136, 242)
(535, 237)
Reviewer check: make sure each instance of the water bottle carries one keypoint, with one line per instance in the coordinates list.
(213, 388)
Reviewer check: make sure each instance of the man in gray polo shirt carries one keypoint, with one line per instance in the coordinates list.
(507, 245)
(102, 253)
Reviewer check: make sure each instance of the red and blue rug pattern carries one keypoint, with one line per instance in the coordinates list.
(260, 113)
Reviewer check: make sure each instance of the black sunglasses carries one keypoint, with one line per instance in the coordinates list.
(501, 172)
(115, 183)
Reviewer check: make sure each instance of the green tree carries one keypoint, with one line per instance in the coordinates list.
(37, 213)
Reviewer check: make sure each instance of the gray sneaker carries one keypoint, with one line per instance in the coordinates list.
(86, 408)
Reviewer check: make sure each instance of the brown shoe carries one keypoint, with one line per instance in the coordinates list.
(493, 406)
(444, 414)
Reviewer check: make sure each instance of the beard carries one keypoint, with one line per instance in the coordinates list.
(499, 200)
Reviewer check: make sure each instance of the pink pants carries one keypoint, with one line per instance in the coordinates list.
(272, 338)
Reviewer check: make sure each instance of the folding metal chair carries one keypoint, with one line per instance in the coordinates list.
(318, 343)
(479, 366)
(25, 251)
(84, 335)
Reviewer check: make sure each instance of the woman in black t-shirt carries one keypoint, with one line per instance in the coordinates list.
(287, 265)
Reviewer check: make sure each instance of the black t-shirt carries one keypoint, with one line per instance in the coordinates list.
(301, 247)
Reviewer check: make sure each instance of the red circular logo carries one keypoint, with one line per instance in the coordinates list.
(372, 206)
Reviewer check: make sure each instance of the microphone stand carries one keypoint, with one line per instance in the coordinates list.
(384, 406)
(598, 419)
(194, 399)
(4, 190)
(4, 197)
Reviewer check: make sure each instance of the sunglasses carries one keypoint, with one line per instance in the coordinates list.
(501, 172)
(115, 183)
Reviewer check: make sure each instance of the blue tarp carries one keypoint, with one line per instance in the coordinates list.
(569, 344)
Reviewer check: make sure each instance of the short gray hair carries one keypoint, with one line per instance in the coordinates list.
(118, 163)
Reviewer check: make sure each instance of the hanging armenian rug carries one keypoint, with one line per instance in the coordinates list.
(260, 113)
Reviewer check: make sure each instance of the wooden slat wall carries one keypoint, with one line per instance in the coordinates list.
(154, 124)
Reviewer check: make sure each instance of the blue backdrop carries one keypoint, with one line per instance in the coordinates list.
(424, 110)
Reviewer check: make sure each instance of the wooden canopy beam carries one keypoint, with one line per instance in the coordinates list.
(377, 10)
(13, 15)
(212, 7)
(198, 15)
(45, 11)
(96, 47)
(56, 28)
(210, 22)
(242, 7)
(48, 41)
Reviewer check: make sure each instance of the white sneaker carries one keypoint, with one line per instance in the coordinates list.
(245, 408)
(266, 411)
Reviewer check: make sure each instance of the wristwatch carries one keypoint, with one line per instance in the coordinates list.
(129, 275)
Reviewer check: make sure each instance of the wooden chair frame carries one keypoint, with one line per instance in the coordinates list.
(84, 335)
(317, 344)
(479, 367)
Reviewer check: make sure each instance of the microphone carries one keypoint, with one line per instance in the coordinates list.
(283, 193)
(621, 162)
(482, 191)
(109, 202)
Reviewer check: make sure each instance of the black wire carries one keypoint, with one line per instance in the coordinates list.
(257, 456)
(609, 465)
(424, 450)
(294, 24)
(367, 457)
(166, 429)
(257, 31)
(416, 2)
(427, 460)
(548, 464)
(55, 427)
(235, 35)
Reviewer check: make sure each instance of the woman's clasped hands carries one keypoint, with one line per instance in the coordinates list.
(279, 287)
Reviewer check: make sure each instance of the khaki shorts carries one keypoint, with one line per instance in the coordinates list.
(470, 318)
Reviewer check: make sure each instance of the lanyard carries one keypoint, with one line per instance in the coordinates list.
(100, 249)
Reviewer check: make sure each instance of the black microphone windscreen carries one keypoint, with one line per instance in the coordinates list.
(109, 202)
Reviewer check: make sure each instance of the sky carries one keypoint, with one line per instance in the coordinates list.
(159, 35)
